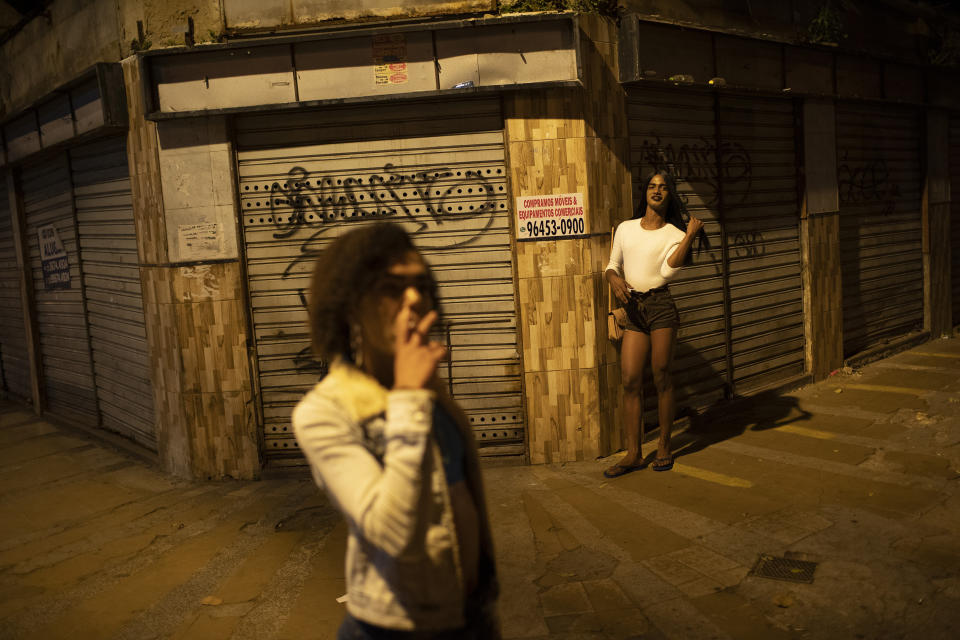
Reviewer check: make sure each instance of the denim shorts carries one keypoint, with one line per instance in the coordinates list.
(653, 309)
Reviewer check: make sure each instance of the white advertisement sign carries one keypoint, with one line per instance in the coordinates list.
(199, 241)
(548, 217)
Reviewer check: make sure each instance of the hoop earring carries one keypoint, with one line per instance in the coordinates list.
(356, 345)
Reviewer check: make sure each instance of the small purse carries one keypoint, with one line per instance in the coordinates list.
(616, 321)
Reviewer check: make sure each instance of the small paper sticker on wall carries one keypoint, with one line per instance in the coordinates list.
(53, 259)
(199, 241)
(390, 59)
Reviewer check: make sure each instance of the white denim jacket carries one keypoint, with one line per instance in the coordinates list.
(372, 450)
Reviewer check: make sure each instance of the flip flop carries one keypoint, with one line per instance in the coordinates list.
(663, 464)
(618, 470)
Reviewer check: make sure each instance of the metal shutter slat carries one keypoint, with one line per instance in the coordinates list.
(683, 132)
(879, 168)
(67, 366)
(114, 298)
(762, 217)
(307, 177)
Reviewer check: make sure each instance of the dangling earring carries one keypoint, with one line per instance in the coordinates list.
(356, 345)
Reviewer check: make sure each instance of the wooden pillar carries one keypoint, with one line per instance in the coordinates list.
(937, 310)
(571, 141)
(820, 240)
(194, 304)
(19, 226)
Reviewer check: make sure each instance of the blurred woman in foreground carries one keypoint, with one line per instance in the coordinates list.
(394, 452)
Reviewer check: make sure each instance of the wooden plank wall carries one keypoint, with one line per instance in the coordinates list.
(820, 241)
(937, 310)
(195, 313)
(571, 141)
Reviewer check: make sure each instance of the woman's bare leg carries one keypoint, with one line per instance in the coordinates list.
(662, 343)
(633, 357)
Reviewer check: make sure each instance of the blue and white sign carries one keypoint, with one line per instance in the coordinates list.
(53, 257)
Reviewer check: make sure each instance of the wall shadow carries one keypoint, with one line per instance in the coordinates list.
(761, 412)
(705, 417)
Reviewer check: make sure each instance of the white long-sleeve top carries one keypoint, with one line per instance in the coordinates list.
(640, 255)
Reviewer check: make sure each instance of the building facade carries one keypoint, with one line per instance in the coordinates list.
(169, 176)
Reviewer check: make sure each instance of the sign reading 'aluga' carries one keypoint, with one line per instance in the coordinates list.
(53, 258)
(546, 217)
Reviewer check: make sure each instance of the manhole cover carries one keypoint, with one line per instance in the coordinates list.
(783, 569)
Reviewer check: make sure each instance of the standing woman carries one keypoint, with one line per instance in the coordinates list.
(395, 453)
(648, 251)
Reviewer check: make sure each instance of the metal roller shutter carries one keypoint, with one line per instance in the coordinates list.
(955, 215)
(437, 168)
(675, 131)
(879, 180)
(741, 304)
(111, 278)
(14, 358)
(761, 218)
(67, 370)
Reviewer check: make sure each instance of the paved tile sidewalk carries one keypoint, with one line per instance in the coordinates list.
(858, 473)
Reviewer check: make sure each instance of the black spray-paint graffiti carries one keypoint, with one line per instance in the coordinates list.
(867, 183)
(698, 162)
(428, 197)
(748, 244)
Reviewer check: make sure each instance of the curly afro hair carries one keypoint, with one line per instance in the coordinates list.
(350, 267)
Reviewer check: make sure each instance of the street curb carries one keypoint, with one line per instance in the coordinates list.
(887, 349)
(109, 440)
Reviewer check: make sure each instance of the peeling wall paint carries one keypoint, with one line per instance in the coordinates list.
(206, 288)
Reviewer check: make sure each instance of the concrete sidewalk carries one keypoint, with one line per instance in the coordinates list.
(857, 474)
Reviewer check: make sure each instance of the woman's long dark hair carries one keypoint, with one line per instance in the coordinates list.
(676, 215)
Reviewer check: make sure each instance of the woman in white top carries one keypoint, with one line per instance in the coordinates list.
(648, 252)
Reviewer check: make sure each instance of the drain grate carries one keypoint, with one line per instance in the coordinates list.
(783, 569)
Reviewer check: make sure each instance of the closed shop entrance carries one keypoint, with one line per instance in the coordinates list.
(879, 180)
(740, 303)
(66, 366)
(111, 278)
(437, 168)
(82, 249)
